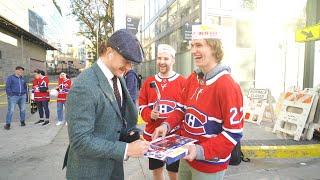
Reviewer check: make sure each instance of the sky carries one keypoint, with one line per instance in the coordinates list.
(135, 7)
(71, 26)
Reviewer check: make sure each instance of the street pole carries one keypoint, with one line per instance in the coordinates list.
(313, 17)
(98, 31)
(97, 42)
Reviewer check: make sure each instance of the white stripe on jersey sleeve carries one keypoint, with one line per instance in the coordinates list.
(233, 130)
(214, 119)
(141, 108)
(229, 137)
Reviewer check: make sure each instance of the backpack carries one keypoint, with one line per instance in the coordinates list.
(34, 107)
(237, 156)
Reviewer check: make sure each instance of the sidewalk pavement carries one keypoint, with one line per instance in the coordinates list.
(19, 139)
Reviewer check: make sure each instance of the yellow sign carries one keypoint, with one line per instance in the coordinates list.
(310, 33)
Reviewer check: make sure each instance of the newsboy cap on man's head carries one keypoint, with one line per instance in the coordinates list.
(127, 45)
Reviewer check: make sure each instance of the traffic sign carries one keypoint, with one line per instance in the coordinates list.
(310, 33)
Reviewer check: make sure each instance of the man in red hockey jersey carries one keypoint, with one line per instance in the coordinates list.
(155, 105)
(212, 113)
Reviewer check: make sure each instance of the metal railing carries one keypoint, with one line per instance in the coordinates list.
(3, 95)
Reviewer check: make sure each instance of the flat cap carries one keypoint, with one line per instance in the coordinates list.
(127, 45)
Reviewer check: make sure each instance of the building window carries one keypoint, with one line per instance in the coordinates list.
(163, 22)
(172, 14)
(244, 34)
(152, 30)
(184, 9)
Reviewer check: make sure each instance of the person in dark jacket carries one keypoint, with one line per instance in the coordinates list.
(131, 78)
(16, 89)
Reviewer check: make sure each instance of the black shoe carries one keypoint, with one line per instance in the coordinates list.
(7, 126)
(22, 123)
(45, 123)
(40, 121)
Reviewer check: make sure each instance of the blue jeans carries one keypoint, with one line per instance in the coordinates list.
(12, 101)
(60, 110)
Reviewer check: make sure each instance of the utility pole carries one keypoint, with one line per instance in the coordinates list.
(97, 42)
(98, 27)
(313, 17)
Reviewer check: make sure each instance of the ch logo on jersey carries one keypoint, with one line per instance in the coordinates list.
(165, 107)
(63, 88)
(43, 84)
(195, 121)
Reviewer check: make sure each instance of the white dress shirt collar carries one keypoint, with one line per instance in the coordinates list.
(106, 71)
(108, 74)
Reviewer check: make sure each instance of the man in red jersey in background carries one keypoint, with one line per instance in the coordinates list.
(154, 110)
(212, 113)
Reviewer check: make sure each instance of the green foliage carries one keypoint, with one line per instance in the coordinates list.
(96, 20)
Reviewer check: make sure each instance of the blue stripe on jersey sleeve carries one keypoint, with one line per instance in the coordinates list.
(235, 136)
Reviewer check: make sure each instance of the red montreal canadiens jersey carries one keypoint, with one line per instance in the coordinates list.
(213, 114)
(64, 87)
(41, 82)
(170, 90)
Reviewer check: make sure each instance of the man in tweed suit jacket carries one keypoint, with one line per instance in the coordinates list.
(96, 113)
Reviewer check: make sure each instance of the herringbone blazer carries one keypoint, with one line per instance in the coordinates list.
(94, 124)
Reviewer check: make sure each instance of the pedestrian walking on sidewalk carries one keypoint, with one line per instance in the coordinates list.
(101, 116)
(212, 110)
(63, 88)
(154, 111)
(40, 89)
(16, 90)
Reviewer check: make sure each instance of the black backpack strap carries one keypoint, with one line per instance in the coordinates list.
(65, 161)
(244, 159)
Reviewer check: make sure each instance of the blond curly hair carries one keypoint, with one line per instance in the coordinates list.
(216, 46)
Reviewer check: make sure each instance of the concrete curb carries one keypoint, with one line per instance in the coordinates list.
(140, 120)
(289, 151)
